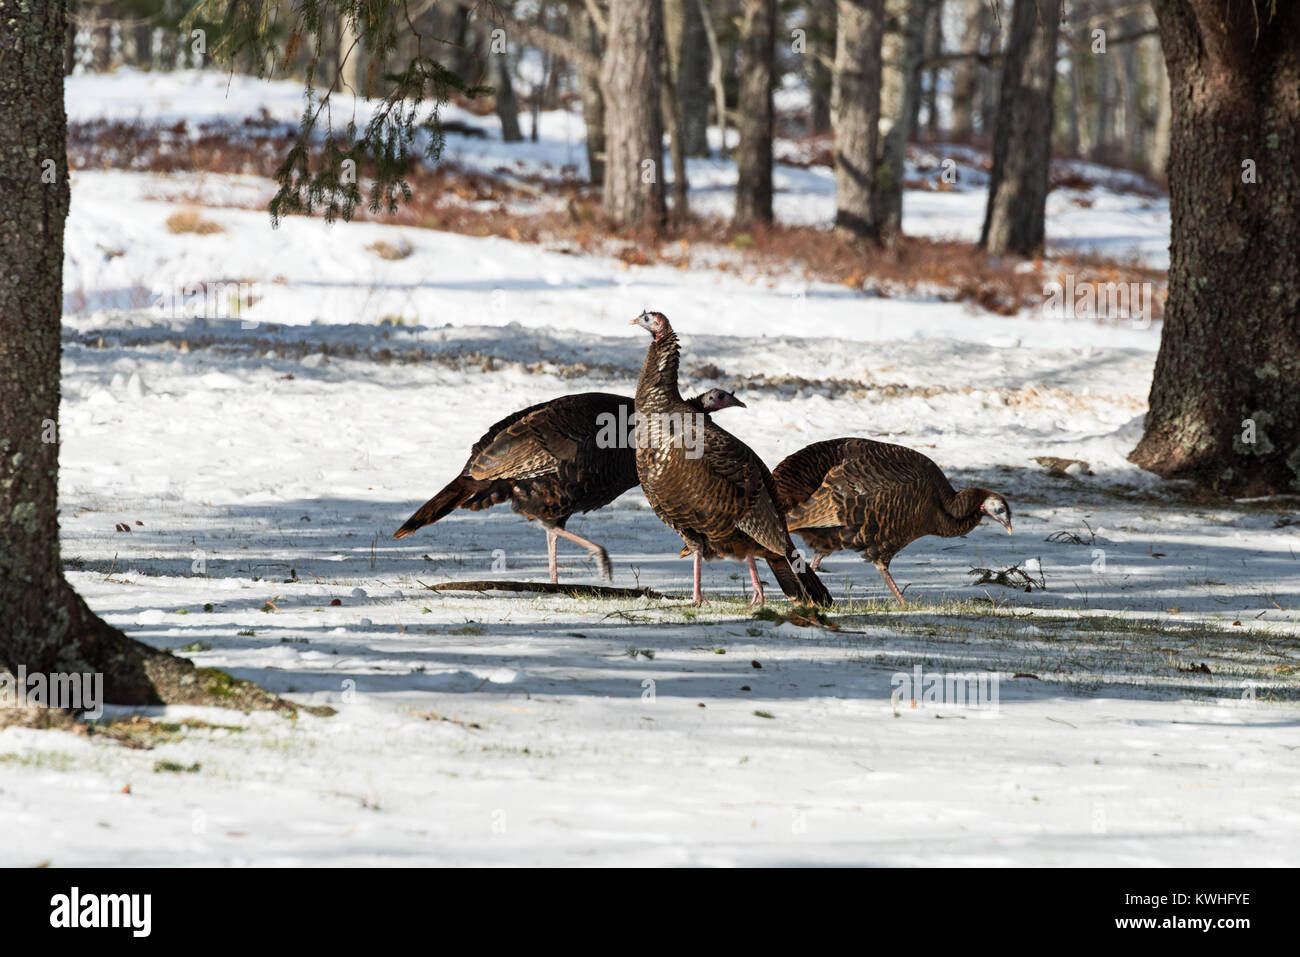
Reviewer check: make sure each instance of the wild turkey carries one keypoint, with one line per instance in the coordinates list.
(550, 461)
(875, 498)
(706, 484)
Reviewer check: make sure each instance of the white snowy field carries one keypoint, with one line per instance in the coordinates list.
(1147, 698)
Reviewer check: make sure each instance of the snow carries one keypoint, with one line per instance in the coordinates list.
(267, 458)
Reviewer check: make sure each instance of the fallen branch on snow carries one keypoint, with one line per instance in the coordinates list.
(548, 588)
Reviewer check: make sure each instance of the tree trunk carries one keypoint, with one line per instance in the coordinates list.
(754, 154)
(856, 106)
(349, 56)
(45, 626)
(101, 46)
(688, 58)
(671, 106)
(593, 102)
(1224, 407)
(901, 47)
(142, 46)
(1015, 218)
(70, 49)
(931, 13)
(818, 57)
(507, 106)
(965, 74)
(1159, 159)
(634, 189)
(717, 72)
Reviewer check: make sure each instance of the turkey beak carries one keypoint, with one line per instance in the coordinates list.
(1006, 524)
(738, 404)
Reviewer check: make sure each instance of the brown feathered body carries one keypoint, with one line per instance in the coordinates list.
(545, 460)
(721, 501)
(550, 461)
(870, 497)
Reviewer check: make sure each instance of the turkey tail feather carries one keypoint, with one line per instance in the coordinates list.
(459, 491)
(802, 586)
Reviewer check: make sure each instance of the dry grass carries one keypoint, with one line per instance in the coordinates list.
(189, 221)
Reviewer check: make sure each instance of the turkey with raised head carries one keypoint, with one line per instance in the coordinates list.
(875, 498)
(705, 483)
(551, 461)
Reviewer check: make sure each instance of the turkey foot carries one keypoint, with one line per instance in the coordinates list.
(597, 552)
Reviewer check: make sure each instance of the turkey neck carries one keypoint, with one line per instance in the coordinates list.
(656, 390)
(961, 512)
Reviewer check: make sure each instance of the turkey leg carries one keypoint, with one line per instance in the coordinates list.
(889, 580)
(551, 542)
(597, 552)
(757, 598)
(696, 597)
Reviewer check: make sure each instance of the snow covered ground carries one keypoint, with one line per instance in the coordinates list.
(1147, 699)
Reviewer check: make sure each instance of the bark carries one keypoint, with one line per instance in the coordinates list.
(634, 189)
(1230, 347)
(856, 107)
(671, 107)
(101, 46)
(965, 76)
(754, 154)
(1160, 135)
(142, 46)
(901, 48)
(593, 102)
(1131, 95)
(1101, 143)
(507, 106)
(70, 49)
(717, 72)
(819, 57)
(688, 59)
(349, 56)
(1022, 146)
(932, 46)
(44, 625)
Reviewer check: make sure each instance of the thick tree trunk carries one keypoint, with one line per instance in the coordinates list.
(1022, 147)
(856, 109)
(754, 154)
(688, 59)
(634, 188)
(1224, 407)
(44, 625)
(901, 47)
